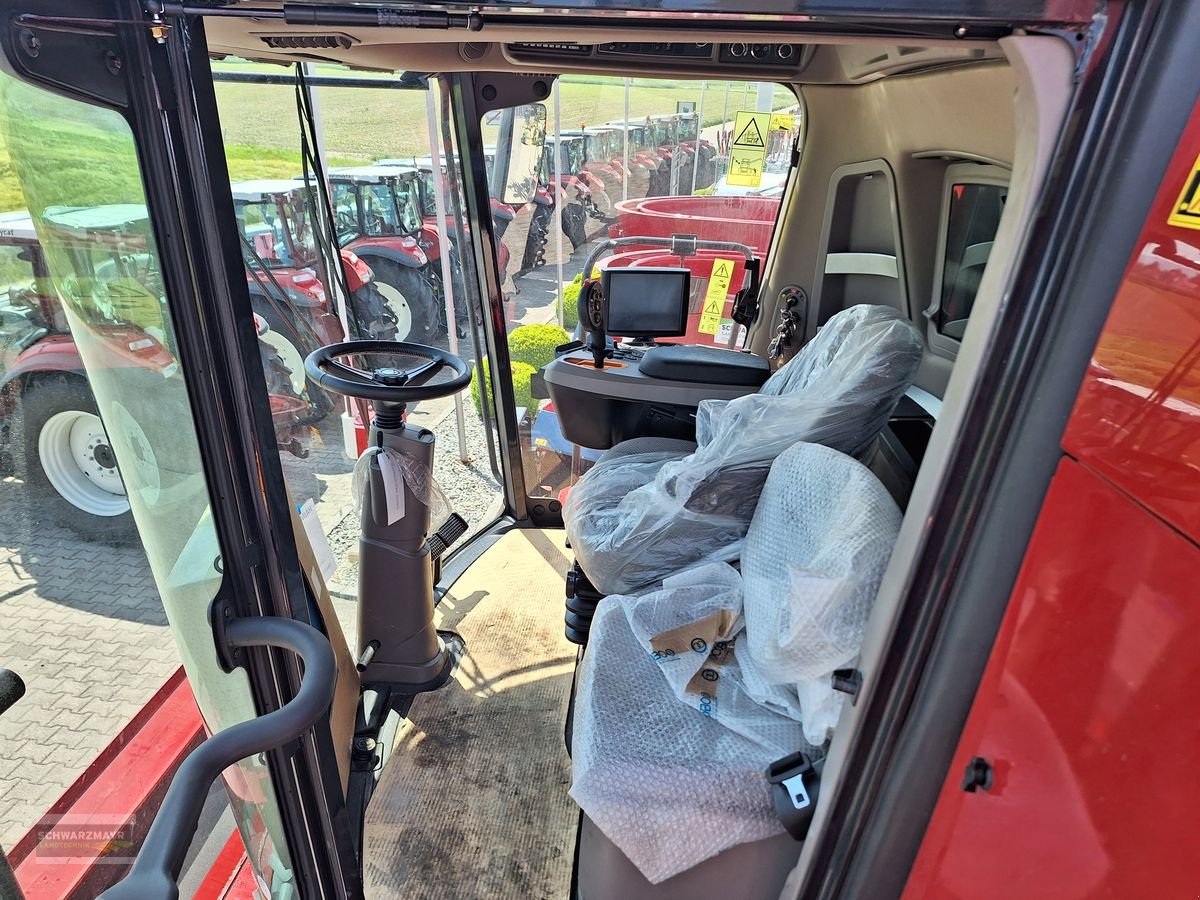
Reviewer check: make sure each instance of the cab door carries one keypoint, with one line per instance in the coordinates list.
(102, 109)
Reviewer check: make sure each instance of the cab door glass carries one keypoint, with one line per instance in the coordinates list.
(627, 158)
(128, 425)
(384, 268)
(972, 221)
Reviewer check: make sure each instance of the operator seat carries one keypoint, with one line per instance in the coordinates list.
(688, 692)
(650, 506)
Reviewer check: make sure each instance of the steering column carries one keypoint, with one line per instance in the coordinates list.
(397, 642)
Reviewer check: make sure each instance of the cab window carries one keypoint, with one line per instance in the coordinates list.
(628, 158)
(972, 216)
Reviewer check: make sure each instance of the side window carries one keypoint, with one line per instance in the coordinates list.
(973, 213)
(345, 211)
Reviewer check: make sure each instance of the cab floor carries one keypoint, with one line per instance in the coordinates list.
(473, 803)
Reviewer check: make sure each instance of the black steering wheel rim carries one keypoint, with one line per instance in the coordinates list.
(323, 367)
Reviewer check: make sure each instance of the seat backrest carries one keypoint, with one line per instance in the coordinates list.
(813, 560)
(838, 391)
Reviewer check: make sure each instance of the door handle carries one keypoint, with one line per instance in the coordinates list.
(155, 872)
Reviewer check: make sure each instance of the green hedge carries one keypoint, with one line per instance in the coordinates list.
(522, 390)
(570, 302)
(534, 344)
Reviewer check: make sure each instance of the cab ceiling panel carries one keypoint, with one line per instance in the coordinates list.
(742, 38)
(819, 15)
(834, 61)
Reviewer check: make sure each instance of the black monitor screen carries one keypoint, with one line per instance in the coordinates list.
(647, 302)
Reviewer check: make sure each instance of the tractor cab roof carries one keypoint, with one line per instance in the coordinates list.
(264, 188)
(115, 217)
(375, 173)
(16, 226)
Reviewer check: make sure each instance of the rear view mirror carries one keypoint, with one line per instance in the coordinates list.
(519, 153)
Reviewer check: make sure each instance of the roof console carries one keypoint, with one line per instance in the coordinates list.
(760, 54)
(741, 55)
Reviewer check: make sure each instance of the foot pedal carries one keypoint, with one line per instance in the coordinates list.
(452, 529)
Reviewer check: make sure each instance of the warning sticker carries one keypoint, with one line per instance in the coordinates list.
(746, 168)
(782, 121)
(748, 154)
(714, 297)
(1186, 211)
(749, 128)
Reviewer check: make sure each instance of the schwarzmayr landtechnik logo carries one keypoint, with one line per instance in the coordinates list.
(97, 838)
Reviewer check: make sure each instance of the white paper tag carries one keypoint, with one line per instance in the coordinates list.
(393, 488)
(322, 552)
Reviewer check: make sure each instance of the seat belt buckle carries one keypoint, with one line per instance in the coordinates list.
(795, 783)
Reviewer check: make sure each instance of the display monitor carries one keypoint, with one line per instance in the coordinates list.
(646, 303)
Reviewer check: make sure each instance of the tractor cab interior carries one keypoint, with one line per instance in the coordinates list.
(760, 416)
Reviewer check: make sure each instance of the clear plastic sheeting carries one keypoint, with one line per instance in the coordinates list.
(635, 518)
(413, 473)
(687, 693)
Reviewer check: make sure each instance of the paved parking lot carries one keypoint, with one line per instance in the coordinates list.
(84, 627)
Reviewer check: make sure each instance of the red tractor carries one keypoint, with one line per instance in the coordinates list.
(288, 269)
(48, 415)
(379, 217)
(433, 236)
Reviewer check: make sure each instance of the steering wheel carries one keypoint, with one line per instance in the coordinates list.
(387, 384)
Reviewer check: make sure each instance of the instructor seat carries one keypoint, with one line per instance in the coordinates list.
(688, 692)
(650, 507)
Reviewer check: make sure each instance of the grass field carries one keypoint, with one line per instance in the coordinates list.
(370, 123)
(73, 155)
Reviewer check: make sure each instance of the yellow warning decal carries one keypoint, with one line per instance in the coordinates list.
(714, 297)
(750, 130)
(1186, 211)
(782, 121)
(748, 154)
(746, 168)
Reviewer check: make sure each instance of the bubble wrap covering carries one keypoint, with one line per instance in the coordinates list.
(635, 518)
(687, 692)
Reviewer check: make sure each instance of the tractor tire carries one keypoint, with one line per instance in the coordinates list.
(574, 224)
(411, 300)
(319, 399)
(373, 313)
(535, 247)
(69, 467)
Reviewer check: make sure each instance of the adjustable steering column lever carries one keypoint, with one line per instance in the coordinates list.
(398, 644)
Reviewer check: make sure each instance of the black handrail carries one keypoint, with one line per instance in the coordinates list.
(155, 872)
(12, 689)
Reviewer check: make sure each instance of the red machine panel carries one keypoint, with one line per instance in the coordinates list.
(1137, 420)
(1087, 710)
(1087, 714)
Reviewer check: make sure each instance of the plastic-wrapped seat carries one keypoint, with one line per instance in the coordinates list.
(642, 513)
(686, 693)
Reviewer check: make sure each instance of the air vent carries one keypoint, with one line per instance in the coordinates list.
(473, 52)
(308, 41)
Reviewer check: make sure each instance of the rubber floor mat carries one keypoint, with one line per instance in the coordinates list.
(473, 803)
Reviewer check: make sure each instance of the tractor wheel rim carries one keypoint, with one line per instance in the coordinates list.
(399, 306)
(79, 463)
(142, 469)
(291, 358)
